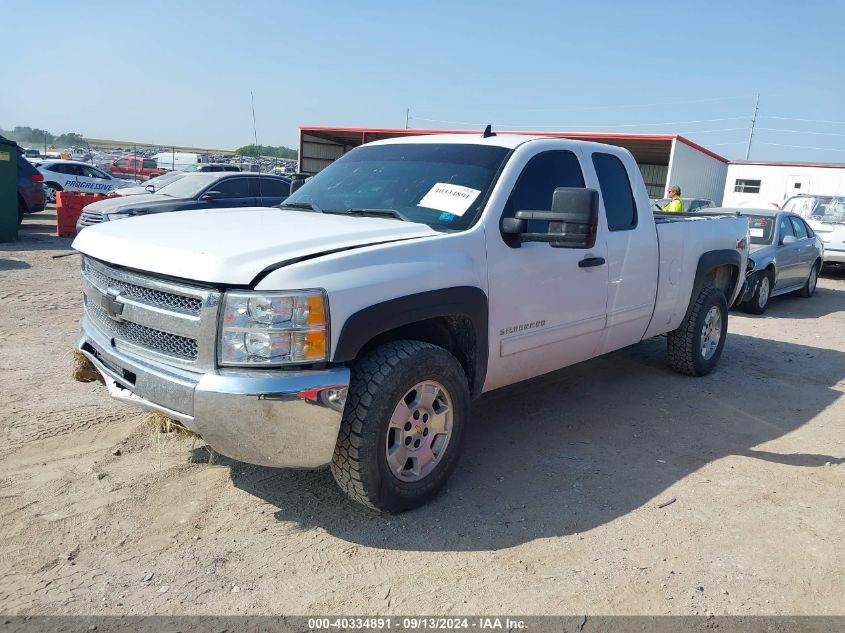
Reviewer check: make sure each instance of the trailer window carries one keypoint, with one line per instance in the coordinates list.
(747, 186)
(619, 205)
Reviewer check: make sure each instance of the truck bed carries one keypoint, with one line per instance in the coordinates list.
(682, 237)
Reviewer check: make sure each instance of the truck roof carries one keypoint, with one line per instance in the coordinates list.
(509, 141)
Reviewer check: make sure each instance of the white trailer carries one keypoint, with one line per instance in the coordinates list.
(176, 160)
(759, 184)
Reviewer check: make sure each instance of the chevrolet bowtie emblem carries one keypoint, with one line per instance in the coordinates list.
(111, 305)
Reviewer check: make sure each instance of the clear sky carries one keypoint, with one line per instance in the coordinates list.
(181, 72)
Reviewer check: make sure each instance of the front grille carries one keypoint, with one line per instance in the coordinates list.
(149, 296)
(158, 317)
(149, 338)
(89, 218)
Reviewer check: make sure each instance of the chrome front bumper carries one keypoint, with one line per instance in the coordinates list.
(271, 418)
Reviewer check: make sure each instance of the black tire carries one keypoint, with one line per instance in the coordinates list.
(685, 343)
(758, 302)
(379, 381)
(22, 210)
(810, 285)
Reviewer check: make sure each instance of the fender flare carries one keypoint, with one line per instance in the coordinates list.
(366, 324)
(710, 260)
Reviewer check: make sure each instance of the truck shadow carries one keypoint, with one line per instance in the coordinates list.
(583, 446)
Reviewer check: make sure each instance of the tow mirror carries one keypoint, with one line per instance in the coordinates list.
(572, 220)
(296, 185)
(788, 239)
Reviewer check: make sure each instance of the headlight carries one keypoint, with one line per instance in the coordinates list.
(273, 328)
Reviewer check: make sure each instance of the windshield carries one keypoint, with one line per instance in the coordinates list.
(440, 184)
(761, 228)
(161, 181)
(823, 208)
(188, 186)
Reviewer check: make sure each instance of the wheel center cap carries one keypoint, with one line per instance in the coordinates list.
(418, 429)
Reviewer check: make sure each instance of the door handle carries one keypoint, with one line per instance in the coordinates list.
(590, 262)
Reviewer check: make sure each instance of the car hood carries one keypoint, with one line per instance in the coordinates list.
(232, 246)
(125, 203)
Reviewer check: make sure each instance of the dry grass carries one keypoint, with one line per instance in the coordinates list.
(83, 369)
(159, 423)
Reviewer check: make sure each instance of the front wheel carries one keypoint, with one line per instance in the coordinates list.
(402, 425)
(759, 301)
(695, 347)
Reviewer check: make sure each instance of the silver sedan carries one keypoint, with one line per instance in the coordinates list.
(786, 256)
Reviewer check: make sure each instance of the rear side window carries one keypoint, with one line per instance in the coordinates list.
(542, 175)
(150, 164)
(616, 192)
(798, 226)
(271, 187)
(233, 188)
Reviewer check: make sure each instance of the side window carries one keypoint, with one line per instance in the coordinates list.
(542, 175)
(58, 169)
(271, 188)
(798, 226)
(810, 232)
(616, 192)
(232, 188)
(784, 227)
(149, 163)
(123, 162)
(76, 170)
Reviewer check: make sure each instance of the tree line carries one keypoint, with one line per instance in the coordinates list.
(36, 137)
(266, 150)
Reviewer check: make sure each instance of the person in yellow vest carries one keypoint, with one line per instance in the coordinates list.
(676, 202)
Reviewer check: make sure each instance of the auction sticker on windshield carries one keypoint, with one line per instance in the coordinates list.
(756, 232)
(454, 199)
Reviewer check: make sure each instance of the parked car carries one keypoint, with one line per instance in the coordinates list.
(786, 256)
(150, 186)
(193, 191)
(29, 152)
(71, 175)
(31, 196)
(205, 167)
(826, 216)
(411, 275)
(135, 167)
(691, 205)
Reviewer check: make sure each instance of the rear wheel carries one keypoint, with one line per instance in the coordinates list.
(759, 301)
(695, 347)
(810, 285)
(402, 426)
(50, 190)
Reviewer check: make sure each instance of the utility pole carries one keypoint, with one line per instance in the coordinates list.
(407, 117)
(753, 121)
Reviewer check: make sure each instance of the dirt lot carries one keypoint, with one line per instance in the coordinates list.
(554, 508)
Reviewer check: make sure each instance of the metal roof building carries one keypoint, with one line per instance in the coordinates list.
(664, 159)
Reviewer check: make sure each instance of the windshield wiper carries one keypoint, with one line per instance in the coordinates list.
(392, 213)
(310, 206)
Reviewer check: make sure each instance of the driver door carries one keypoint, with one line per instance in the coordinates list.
(788, 256)
(547, 309)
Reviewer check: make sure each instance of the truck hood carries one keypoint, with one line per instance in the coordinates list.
(232, 246)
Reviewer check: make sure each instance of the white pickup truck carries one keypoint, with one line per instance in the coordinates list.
(353, 325)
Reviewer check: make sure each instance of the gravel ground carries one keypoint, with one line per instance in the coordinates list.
(559, 505)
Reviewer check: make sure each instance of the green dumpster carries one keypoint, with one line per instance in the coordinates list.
(8, 190)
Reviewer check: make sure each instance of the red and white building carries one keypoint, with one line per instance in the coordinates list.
(664, 159)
